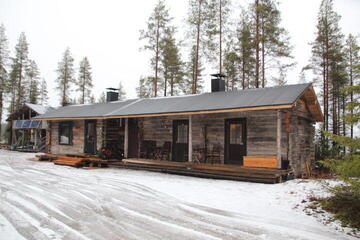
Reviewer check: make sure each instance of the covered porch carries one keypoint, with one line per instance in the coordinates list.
(248, 138)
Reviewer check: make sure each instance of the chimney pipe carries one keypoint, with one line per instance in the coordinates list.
(218, 83)
(112, 94)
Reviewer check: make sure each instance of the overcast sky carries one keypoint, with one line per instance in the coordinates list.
(107, 32)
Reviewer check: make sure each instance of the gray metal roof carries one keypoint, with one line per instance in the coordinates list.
(271, 96)
(39, 109)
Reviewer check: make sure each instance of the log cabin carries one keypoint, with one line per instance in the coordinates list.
(271, 127)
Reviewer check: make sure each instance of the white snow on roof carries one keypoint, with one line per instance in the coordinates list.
(39, 108)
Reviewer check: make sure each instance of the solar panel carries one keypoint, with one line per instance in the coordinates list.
(35, 124)
(18, 124)
(26, 124)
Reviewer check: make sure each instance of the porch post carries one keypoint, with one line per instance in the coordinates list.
(190, 139)
(278, 138)
(36, 139)
(126, 138)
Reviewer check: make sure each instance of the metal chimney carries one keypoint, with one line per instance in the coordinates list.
(218, 83)
(112, 94)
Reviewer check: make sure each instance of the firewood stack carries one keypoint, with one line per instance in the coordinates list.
(74, 160)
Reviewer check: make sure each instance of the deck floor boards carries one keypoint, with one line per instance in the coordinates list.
(218, 171)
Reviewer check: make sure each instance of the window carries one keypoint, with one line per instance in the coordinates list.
(65, 133)
(236, 133)
(182, 136)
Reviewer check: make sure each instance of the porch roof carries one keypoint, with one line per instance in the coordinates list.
(240, 100)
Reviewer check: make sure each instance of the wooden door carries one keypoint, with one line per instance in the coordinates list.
(133, 146)
(180, 144)
(235, 141)
(90, 136)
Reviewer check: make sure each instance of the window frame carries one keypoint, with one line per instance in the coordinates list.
(70, 125)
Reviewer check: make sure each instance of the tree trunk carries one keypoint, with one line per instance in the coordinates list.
(155, 82)
(262, 53)
(351, 92)
(220, 66)
(64, 102)
(172, 86)
(196, 71)
(18, 99)
(243, 69)
(257, 44)
(165, 85)
(1, 110)
(83, 91)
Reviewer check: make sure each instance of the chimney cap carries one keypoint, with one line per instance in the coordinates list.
(112, 89)
(218, 75)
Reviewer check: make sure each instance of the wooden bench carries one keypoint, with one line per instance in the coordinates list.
(260, 161)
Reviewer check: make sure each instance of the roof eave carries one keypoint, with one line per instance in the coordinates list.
(244, 109)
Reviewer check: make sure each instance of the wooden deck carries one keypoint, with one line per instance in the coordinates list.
(216, 171)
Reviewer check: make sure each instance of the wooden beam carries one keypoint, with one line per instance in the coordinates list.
(190, 140)
(278, 138)
(289, 106)
(126, 138)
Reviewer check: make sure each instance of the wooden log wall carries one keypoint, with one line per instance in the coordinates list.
(297, 134)
(77, 142)
(208, 132)
(301, 141)
(78, 137)
(261, 135)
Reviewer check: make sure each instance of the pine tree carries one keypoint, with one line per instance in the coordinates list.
(323, 48)
(200, 33)
(65, 77)
(17, 81)
(102, 98)
(84, 82)
(328, 63)
(172, 64)
(122, 93)
(273, 39)
(217, 27)
(257, 43)
(143, 90)
(193, 68)
(33, 75)
(352, 58)
(231, 61)
(154, 34)
(4, 57)
(245, 43)
(43, 99)
(92, 99)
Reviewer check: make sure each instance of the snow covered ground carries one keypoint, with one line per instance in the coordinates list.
(39, 200)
